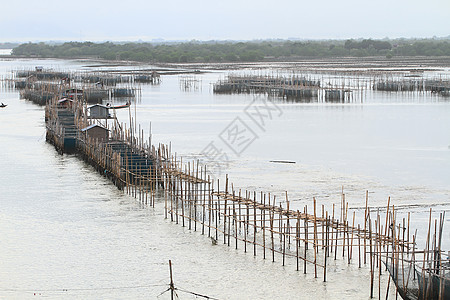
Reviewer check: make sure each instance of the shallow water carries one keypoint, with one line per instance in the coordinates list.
(5, 51)
(63, 226)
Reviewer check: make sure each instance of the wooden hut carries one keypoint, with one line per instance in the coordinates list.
(65, 103)
(99, 111)
(97, 132)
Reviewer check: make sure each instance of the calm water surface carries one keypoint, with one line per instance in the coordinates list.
(5, 51)
(67, 232)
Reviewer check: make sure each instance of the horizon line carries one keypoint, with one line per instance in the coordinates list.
(175, 40)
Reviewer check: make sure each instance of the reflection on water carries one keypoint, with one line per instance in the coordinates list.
(63, 226)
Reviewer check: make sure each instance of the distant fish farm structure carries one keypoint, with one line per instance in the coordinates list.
(339, 89)
(40, 85)
(40, 73)
(296, 88)
(293, 87)
(189, 83)
(153, 78)
(437, 86)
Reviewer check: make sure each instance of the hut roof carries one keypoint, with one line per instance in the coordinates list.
(64, 100)
(100, 105)
(92, 126)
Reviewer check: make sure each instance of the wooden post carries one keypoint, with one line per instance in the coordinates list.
(371, 256)
(263, 226)
(235, 225)
(332, 230)
(351, 246)
(225, 210)
(359, 247)
(297, 238)
(315, 240)
(271, 215)
(210, 206)
(365, 222)
(254, 224)
(204, 201)
(172, 287)
(217, 220)
(306, 236)
(325, 250)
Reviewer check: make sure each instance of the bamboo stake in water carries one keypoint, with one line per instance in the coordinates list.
(315, 240)
(254, 224)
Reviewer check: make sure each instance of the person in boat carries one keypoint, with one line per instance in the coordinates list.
(3, 104)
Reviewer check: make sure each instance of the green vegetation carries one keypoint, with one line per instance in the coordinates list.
(236, 51)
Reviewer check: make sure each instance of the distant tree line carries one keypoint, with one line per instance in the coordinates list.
(195, 51)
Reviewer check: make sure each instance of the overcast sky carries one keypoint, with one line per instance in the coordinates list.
(99, 20)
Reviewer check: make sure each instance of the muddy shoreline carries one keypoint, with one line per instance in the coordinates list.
(337, 64)
(381, 64)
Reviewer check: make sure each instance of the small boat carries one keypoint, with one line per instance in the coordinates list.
(120, 106)
(3, 105)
